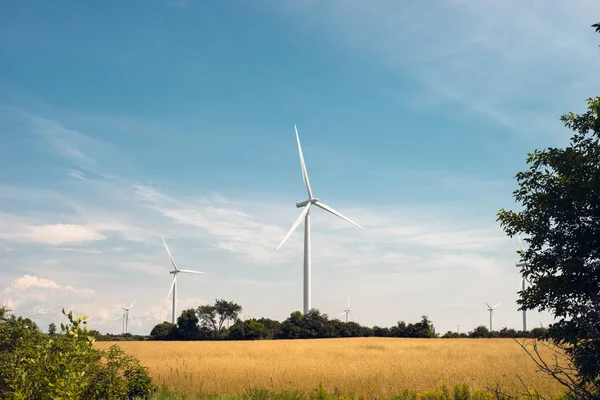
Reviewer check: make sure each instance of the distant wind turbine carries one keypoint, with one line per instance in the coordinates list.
(306, 216)
(175, 271)
(523, 281)
(126, 317)
(348, 312)
(491, 310)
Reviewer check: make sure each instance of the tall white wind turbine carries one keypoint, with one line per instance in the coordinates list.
(523, 282)
(306, 216)
(348, 312)
(175, 271)
(491, 310)
(126, 316)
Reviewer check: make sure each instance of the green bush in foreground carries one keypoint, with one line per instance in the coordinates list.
(34, 365)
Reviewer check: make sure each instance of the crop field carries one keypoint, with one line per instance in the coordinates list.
(366, 366)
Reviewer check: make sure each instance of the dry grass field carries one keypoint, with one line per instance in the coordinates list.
(367, 366)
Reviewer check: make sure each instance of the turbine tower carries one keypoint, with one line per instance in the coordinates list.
(348, 312)
(522, 284)
(491, 310)
(175, 271)
(306, 216)
(126, 317)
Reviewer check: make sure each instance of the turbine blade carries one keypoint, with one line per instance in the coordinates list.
(520, 242)
(189, 271)
(303, 165)
(342, 313)
(172, 285)
(521, 284)
(300, 218)
(169, 253)
(496, 305)
(133, 303)
(353, 316)
(331, 210)
(488, 305)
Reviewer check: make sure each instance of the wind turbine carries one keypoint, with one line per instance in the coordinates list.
(126, 316)
(491, 310)
(348, 312)
(175, 271)
(306, 216)
(522, 284)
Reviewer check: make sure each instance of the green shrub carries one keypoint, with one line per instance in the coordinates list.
(34, 365)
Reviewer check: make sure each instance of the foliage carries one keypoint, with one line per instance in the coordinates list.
(187, 326)
(559, 194)
(213, 317)
(249, 329)
(163, 331)
(443, 392)
(66, 366)
(52, 329)
(201, 325)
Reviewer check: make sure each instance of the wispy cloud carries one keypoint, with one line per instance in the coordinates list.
(18, 230)
(518, 64)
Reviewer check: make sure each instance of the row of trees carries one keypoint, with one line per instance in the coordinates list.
(483, 332)
(208, 322)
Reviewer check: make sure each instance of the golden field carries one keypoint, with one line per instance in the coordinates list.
(367, 366)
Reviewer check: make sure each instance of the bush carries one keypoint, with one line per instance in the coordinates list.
(34, 365)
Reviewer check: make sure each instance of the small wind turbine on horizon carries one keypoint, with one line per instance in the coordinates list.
(175, 271)
(306, 216)
(523, 280)
(348, 312)
(491, 310)
(126, 317)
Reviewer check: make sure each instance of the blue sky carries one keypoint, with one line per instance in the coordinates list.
(124, 121)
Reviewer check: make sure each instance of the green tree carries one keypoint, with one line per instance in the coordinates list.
(52, 329)
(560, 199)
(480, 332)
(273, 327)
(292, 327)
(423, 329)
(66, 366)
(214, 316)
(381, 332)
(450, 335)
(163, 331)
(254, 330)
(187, 326)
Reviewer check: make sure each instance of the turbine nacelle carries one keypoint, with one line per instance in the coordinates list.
(300, 204)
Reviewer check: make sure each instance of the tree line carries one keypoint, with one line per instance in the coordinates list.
(221, 321)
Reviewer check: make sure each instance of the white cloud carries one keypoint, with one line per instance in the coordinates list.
(52, 234)
(28, 281)
(41, 296)
(61, 233)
